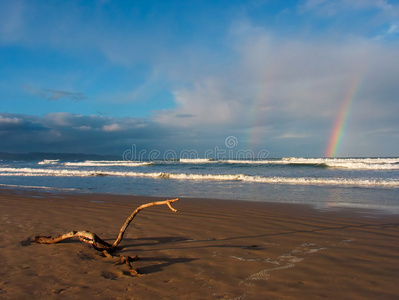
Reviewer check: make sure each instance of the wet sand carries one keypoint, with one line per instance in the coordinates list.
(209, 249)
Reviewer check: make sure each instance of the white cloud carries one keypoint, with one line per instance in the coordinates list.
(272, 75)
(208, 103)
(9, 120)
(61, 119)
(291, 88)
(290, 135)
(393, 30)
(112, 127)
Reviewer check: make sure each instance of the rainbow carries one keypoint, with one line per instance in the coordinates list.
(341, 120)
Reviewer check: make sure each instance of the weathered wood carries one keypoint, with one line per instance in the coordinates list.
(84, 236)
(101, 245)
(138, 209)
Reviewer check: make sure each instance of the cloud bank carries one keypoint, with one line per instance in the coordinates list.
(294, 89)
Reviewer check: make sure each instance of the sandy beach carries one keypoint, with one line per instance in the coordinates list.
(209, 249)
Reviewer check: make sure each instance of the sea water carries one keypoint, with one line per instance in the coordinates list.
(322, 182)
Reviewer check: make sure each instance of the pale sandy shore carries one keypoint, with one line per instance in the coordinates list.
(209, 249)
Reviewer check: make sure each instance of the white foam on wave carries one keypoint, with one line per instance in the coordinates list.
(196, 160)
(364, 165)
(324, 181)
(250, 161)
(107, 163)
(48, 162)
(344, 163)
(370, 182)
(348, 163)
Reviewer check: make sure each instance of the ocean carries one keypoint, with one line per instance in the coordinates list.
(325, 183)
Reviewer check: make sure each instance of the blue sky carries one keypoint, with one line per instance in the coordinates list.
(103, 76)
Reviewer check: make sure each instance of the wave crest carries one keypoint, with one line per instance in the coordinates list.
(361, 182)
(196, 160)
(106, 163)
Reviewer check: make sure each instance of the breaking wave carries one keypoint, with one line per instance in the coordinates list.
(196, 160)
(49, 162)
(96, 163)
(343, 163)
(104, 163)
(337, 181)
(349, 163)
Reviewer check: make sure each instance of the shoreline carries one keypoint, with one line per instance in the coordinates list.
(319, 206)
(209, 249)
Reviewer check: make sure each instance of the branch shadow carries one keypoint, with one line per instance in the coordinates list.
(158, 267)
(142, 245)
(384, 225)
(149, 241)
(180, 243)
(184, 243)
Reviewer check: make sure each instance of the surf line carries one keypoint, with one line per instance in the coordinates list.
(341, 120)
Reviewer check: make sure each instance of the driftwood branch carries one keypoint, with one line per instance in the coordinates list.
(101, 245)
(138, 209)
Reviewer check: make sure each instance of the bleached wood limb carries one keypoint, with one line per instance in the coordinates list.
(52, 240)
(101, 245)
(95, 240)
(84, 236)
(138, 209)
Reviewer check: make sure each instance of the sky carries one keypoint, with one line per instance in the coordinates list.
(308, 78)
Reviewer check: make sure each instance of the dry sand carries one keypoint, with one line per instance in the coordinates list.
(209, 249)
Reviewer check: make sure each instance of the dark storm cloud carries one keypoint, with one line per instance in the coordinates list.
(66, 132)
